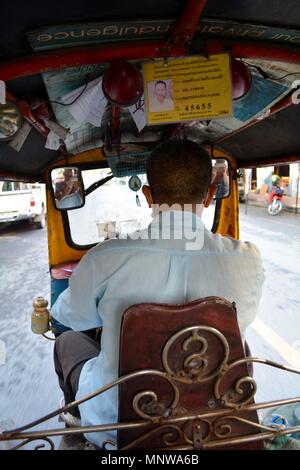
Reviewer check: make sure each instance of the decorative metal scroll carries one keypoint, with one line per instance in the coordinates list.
(38, 447)
(174, 426)
(195, 368)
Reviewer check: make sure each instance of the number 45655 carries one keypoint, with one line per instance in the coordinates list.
(198, 107)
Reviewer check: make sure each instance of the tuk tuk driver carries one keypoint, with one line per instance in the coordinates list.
(67, 192)
(149, 267)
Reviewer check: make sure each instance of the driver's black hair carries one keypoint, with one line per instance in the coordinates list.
(179, 172)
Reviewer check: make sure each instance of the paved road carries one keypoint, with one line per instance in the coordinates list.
(275, 334)
(28, 387)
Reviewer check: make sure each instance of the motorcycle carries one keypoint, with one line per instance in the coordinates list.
(275, 200)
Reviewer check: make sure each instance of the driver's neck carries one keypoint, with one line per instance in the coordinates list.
(193, 208)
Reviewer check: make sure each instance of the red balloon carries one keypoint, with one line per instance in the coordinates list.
(241, 79)
(123, 84)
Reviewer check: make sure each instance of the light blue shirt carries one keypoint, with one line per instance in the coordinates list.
(119, 273)
(70, 201)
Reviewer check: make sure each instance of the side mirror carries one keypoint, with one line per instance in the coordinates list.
(220, 178)
(10, 121)
(67, 188)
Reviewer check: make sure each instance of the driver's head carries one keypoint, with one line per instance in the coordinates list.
(179, 172)
(68, 174)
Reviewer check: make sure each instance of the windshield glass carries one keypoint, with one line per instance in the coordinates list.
(6, 186)
(113, 210)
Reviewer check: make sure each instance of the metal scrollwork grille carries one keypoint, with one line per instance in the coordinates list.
(230, 405)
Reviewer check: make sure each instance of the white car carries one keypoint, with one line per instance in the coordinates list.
(19, 201)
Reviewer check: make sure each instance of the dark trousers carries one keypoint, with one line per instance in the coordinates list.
(71, 351)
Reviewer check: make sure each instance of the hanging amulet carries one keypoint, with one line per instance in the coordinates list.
(40, 316)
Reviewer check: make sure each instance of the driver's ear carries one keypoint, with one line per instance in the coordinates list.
(210, 194)
(147, 193)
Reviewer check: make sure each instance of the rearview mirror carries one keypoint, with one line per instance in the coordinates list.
(67, 188)
(10, 121)
(220, 178)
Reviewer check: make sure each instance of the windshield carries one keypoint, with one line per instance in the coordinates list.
(114, 210)
(6, 186)
(111, 210)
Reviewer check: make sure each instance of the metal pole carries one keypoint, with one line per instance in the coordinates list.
(297, 191)
(247, 188)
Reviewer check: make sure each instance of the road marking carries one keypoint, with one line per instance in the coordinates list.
(2, 353)
(286, 351)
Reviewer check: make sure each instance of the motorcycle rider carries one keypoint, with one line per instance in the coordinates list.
(275, 184)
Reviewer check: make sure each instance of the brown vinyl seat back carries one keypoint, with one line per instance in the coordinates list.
(187, 392)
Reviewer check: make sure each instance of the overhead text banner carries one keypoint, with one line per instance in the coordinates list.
(188, 89)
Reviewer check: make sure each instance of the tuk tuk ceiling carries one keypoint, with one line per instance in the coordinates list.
(22, 16)
(239, 26)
